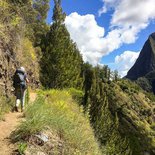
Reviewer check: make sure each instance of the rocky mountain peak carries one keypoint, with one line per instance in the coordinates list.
(146, 60)
(153, 35)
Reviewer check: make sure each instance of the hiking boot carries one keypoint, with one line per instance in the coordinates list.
(16, 109)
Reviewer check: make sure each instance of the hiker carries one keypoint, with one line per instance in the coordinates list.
(20, 81)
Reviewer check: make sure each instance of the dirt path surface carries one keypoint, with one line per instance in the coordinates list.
(10, 123)
(11, 120)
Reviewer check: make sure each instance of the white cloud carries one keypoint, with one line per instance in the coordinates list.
(124, 62)
(90, 38)
(133, 12)
(108, 4)
(128, 19)
(102, 10)
(130, 16)
(87, 34)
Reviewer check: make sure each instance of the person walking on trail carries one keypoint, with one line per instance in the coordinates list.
(20, 81)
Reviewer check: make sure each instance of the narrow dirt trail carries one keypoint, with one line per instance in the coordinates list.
(11, 121)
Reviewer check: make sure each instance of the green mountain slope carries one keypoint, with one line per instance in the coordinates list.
(123, 118)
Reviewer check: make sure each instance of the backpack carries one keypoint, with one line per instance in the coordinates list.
(19, 80)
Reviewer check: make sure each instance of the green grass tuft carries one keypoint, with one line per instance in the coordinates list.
(57, 111)
(6, 105)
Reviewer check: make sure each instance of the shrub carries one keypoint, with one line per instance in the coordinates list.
(5, 105)
(76, 95)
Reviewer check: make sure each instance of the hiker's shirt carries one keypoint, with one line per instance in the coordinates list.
(20, 87)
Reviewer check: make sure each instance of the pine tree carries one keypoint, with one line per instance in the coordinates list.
(40, 27)
(61, 61)
(116, 75)
(88, 73)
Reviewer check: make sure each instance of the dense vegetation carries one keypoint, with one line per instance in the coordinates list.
(122, 114)
(147, 82)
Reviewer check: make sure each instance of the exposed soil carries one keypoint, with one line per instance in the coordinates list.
(7, 126)
(11, 121)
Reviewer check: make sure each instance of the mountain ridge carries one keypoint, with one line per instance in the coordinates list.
(146, 60)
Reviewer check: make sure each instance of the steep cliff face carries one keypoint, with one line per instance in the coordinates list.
(9, 61)
(146, 60)
(8, 65)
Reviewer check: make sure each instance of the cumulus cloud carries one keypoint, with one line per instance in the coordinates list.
(133, 12)
(124, 62)
(130, 16)
(87, 34)
(102, 10)
(128, 19)
(108, 4)
(90, 38)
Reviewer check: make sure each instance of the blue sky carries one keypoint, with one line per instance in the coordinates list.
(109, 31)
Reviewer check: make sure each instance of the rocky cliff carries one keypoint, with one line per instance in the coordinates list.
(7, 68)
(146, 60)
(9, 61)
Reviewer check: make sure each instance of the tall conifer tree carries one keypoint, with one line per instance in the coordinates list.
(61, 61)
(40, 27)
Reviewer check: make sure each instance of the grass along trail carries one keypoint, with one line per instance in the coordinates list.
(32, 97)
(7, 126)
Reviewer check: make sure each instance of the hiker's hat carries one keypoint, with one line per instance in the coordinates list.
(22, 69)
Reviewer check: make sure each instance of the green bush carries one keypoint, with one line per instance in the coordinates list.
(76, 95)
(6, 105)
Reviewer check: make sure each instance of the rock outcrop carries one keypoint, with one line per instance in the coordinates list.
(8, 65)
(146, 60)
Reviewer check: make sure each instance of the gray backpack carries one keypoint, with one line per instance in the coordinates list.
(19, 79)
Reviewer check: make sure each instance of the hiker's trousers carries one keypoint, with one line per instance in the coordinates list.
(20, 97)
